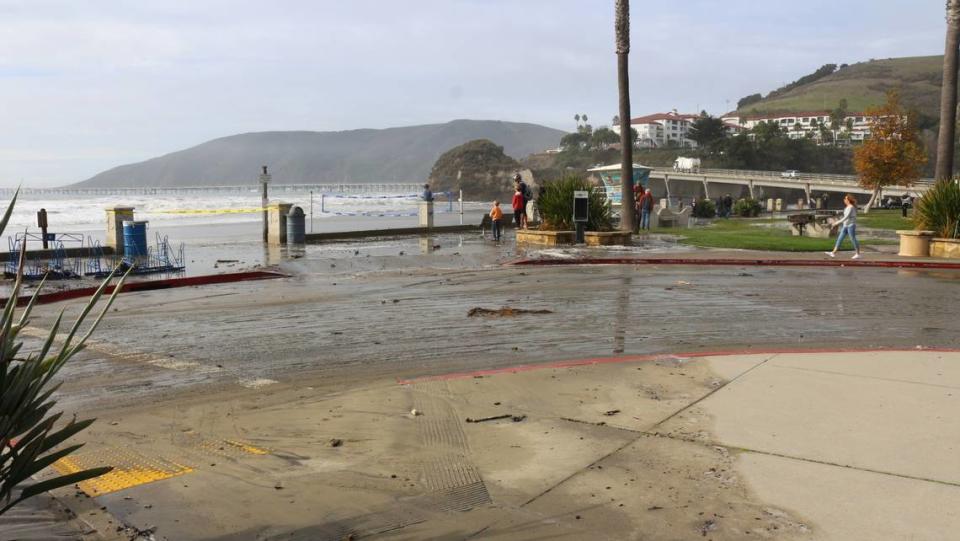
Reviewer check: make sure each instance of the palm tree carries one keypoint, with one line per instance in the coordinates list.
(948, 93)
(584, 117)
(622, 27)
(576, 118)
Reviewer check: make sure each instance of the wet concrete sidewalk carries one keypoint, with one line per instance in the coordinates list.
(854, 445)
(222, 406)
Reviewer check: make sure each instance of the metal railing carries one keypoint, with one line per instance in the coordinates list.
(800, 178)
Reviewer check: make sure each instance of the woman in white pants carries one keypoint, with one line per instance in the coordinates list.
(848, 226)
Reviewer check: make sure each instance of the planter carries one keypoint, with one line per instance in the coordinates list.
(545, 238)
(915, 243)
(607, 238)
(946, 248)
(566, 238)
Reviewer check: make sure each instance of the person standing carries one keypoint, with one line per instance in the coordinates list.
(427, 194)
(848, 226)
(645, 203)
(517, 205)
(727, 205)
(527, 196)
(496, 218)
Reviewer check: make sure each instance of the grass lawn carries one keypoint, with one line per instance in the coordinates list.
(744, 235)
(884, 219)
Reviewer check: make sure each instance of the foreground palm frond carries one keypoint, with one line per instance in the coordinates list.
(30, 437)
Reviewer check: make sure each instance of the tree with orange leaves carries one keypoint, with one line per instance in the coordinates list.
(893, 154)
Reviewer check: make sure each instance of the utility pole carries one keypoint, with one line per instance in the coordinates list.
(264, 200)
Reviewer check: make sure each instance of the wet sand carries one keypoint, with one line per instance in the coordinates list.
(289, 365)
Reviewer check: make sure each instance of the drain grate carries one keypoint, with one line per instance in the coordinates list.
(130, 469)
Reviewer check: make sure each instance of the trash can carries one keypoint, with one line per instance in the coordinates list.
(134, 238)
(296, 226)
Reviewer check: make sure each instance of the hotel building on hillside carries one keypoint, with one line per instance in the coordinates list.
(668, 129)
(798, 125)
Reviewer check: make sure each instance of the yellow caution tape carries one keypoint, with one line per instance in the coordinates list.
(210, 211)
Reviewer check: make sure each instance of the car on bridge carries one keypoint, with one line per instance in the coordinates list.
(790, 173)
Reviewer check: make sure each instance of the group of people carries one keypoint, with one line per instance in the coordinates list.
(522, 195)
(725, 206)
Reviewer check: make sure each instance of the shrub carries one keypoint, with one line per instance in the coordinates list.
(556, 205)
(939, 209)
(30, 437)
(747, 208)
(704, 208)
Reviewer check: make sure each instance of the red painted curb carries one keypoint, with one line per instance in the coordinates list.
(149, 285)
(741, 262)
(654, 357)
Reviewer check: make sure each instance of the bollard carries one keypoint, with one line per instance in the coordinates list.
(277, 223)
(296, 226)
(425, 214)
(779, 204)
(115, 218)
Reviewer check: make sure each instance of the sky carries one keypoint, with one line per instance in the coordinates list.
(86, 85)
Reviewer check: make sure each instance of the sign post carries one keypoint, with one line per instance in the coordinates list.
(581, 212)
(265, 201)
(42, 224)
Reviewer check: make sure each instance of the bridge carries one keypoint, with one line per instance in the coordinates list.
(808, 183)
(390, 187)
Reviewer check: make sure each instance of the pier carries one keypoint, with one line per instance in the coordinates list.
(380, 187)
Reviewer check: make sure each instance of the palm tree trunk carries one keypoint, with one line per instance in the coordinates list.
(628, 219)
(948, 93)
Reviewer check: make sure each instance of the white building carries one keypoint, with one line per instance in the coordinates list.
(798, 125)
(659, 129)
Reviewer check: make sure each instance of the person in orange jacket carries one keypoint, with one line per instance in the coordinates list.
(496, 217)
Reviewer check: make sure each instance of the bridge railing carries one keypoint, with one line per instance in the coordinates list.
(801, 178)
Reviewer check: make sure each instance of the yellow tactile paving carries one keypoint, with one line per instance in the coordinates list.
(130, 469)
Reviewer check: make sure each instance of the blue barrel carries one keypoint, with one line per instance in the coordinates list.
(296, 226)
(134, 239)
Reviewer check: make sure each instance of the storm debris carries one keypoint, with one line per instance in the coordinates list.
(611, 413)
(485, 419)
(506, 311)
(336, 442)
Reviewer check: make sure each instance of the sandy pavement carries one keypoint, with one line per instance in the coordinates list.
(282, 409)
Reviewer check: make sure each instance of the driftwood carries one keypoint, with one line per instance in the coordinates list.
(506, 311)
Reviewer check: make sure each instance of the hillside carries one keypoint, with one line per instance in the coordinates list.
(864, 84)
(479, 168)
(395, 154)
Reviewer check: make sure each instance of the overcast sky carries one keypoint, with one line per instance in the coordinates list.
(88, 85)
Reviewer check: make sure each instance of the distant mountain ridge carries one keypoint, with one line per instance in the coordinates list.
(402, 154)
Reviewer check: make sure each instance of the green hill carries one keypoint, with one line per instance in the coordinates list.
(863, 84)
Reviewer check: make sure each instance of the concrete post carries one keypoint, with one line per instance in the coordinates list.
(277, 222)
(115, 218)
(751, 190)
(425, 214)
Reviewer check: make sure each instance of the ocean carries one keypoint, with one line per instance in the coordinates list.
(187, 215)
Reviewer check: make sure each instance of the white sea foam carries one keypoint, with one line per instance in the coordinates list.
(86, 212)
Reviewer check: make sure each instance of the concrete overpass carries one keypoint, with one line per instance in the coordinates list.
(808, 183)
